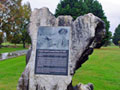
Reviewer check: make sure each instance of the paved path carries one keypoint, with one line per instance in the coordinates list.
(4, 56)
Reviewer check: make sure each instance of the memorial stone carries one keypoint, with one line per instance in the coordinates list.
(59, 47)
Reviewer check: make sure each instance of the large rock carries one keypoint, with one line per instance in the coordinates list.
(86, 32)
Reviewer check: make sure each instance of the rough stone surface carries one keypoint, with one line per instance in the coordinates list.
(86, 32)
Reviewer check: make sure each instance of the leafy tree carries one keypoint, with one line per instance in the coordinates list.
(15, 38)
(77, 8)
(119, 43)
(10, 23)
(7, 15)
(1, 38)
(74, 8)
(24, 15)
(116, 37)
(14, 19)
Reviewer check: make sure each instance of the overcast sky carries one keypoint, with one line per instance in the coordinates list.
(110, 7)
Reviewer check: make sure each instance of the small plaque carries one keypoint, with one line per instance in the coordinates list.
(52, 52)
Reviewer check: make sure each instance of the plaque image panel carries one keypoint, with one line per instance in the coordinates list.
(52, 52)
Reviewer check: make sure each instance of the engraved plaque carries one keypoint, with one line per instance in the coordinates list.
(52, 51)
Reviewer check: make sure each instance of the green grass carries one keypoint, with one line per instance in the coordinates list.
(10, 72)
(11, 49)
(102, 69)
(11, 44)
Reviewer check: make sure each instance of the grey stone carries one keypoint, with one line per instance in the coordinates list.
(86, 32)
(81, 86)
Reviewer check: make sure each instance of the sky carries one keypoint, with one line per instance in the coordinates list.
(110, 7)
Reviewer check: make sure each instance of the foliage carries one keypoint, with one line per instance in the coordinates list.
(116, 37)
(14, 19)
(1, 38)
(8, 14)
(24, 15)
(119, 43)
(16, 38)
(77, 8)
(107, 39)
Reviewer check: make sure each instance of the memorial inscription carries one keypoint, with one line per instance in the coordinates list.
(52, 53)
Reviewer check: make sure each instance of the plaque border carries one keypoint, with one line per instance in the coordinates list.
(38, 73)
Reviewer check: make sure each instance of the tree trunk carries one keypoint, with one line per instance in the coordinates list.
(0, 46)
(23, 44)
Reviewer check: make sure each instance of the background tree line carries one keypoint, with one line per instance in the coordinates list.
(15, 17)
(116, 36)
(14, 20)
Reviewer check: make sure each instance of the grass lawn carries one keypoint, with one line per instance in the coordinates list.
(10, 72)
(11, 49)
(102, 69)
(11, 44)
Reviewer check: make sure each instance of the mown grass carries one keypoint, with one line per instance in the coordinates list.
(11, 44)
(10, 72)
(11, 49)
(102, 69)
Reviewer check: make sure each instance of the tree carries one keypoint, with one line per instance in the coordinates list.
(116, 37)
(7, 15)
(14, 19)
(74, 8)
(22, 20)
(15, 38)
(24, 16)
(119, 43)
(77, 8)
